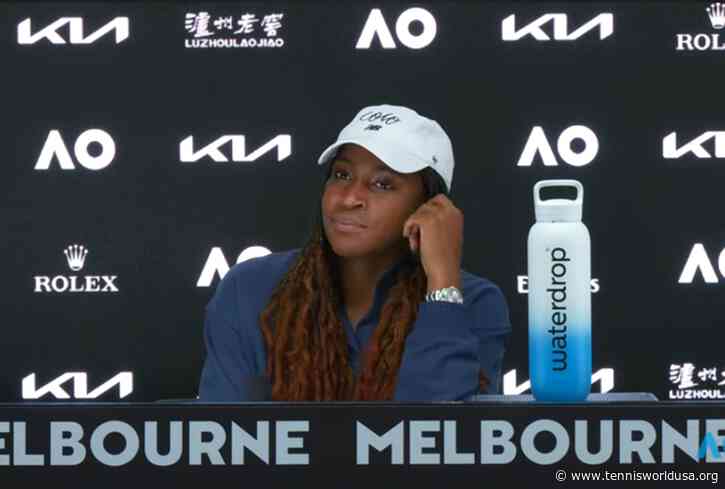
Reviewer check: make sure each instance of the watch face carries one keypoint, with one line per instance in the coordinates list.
(448, 294)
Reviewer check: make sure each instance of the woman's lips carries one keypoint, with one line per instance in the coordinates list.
(346, 226)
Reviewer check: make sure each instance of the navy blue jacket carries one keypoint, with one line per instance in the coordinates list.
(443, 353)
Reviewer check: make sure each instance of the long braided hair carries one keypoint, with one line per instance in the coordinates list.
(307, 353)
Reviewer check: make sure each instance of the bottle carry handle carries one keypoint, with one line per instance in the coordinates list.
(558, 183)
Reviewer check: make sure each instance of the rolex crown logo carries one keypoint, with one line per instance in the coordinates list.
(716, 12)
(76, 256)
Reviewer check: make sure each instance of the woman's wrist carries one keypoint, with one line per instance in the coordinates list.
(443, 281)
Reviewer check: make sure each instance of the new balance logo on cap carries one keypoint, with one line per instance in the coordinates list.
(373, 127)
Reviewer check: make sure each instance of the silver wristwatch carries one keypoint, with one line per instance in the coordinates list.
(449, 294)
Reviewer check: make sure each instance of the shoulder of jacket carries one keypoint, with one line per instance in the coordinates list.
(262, 269)
(474, 285)
(254, 278)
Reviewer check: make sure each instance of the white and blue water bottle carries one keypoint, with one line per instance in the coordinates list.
(559, 270)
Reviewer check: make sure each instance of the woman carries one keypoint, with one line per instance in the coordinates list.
(375, 306)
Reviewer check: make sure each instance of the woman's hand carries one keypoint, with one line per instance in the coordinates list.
(435, 232)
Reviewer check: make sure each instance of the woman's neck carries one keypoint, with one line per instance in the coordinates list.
(360, 275)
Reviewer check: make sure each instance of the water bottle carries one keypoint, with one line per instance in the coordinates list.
(559, 269)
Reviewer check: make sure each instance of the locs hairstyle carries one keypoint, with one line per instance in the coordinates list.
(307, 357)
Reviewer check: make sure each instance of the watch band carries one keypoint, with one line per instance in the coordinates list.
(448, 294)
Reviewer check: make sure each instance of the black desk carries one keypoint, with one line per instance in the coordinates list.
(380, 445)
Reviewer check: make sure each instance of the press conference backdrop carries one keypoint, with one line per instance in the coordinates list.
(148, 148)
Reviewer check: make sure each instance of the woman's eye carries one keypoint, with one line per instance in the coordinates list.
(381, 184)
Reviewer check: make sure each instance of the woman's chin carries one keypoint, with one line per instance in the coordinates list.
(349, 250)
(352, 247)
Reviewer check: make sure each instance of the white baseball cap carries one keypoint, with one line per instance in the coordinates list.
(401, 138)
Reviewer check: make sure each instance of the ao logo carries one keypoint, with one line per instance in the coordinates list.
(75, 29)
(217, 263)
(538, 143)
(376, 25)
(699, 261)
(55, 147)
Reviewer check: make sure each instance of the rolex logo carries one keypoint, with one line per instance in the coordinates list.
(76, 256)
(705, 41)
(716, 12)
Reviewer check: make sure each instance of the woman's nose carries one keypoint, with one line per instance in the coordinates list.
(355, 193)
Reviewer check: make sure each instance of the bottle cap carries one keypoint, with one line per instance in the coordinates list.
(558, 210)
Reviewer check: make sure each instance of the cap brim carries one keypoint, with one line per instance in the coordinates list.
(399, 161)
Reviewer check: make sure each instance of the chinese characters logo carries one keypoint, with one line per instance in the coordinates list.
(694, 383)
(244, 31)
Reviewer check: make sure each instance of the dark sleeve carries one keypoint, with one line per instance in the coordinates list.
(229, 372)
(450, 344)
(492, 326)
